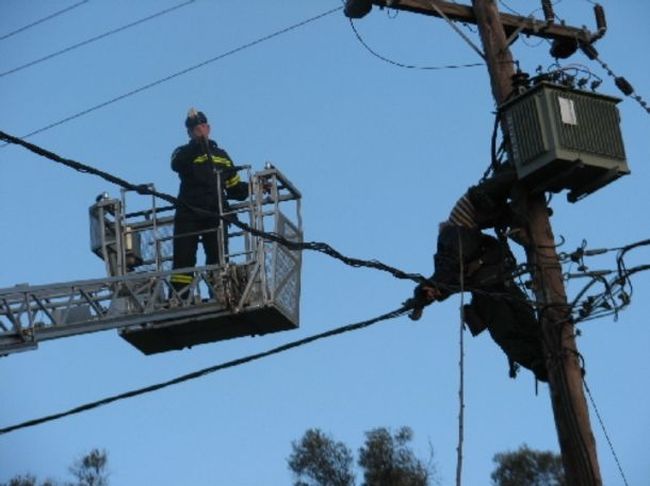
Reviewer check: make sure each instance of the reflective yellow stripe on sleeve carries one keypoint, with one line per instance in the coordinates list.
(215, 159)
(181, 278)
(233, 181)
(221, 160)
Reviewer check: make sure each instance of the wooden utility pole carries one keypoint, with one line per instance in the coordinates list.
(570, 410)
(565, 374)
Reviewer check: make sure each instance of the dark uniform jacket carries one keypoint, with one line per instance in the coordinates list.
(485, 260)
(202, 171)
(487, 265)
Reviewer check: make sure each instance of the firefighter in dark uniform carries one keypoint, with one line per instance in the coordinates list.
(498, 304)
(203, 168)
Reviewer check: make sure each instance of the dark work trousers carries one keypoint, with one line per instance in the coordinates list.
(185, 247)
(513, 325)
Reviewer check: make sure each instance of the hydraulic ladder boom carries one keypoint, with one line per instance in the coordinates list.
(254, 289)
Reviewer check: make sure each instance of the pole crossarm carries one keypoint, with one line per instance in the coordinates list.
(464, 13)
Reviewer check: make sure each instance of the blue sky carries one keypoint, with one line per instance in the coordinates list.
(380, 154)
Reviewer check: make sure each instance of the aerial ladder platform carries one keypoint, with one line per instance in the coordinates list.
(254, 289)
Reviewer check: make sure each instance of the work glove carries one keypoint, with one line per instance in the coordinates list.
(424, 294)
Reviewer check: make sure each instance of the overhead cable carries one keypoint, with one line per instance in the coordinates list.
(145, 189)
(458, 31)
(592, 53)
(529, 16)
(206, 371)
(97, 37)
(407, 66)
(588, 308)
(621, 83)
(51, 16)
(182, 72)
(316, 246)
(321, 246)
(374, 264)
(508, 7)
(602, 425)
(617, 285)
(461, 365)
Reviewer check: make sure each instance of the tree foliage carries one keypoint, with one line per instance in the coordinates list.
(387, 460)
(318, 460)
(528, 467)
(89, 470)
(20, 480)
(28, 480)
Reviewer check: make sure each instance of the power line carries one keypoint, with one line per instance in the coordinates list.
(612, 299)
(407, 66)
(508, 7)
(590, 51)
(621, 83)
(206, 371)
(457, 30)
(33, 24)
(615, 296)
(512, 10)
(145, 189)
(602, 425)
(316, 246)
(96, 38)
(461, 366)
(623, 276)
(524, 40)
(320, 247)
(467, 26)
(180, 73)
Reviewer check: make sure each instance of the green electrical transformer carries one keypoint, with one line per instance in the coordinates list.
(564, 138)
